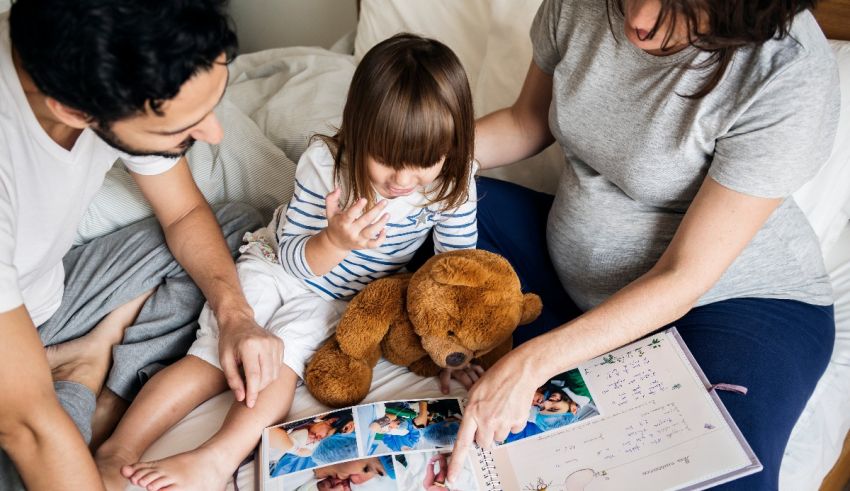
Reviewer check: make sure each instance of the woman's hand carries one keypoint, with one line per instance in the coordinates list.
(498, 405)
(355, 227)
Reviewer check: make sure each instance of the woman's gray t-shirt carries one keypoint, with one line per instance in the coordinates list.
(637, 152)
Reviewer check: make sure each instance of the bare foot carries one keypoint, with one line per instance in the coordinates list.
(108, 411)
(109, 462)
(86, 359)
(201, 469)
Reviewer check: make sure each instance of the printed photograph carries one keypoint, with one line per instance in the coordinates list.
(369, 474)
(561, 401)
(312, 442)
(408, 425)
(426, 471)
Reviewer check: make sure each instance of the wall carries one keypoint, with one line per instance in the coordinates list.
(263, 24)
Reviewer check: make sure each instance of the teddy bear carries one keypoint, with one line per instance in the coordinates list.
(460, 307)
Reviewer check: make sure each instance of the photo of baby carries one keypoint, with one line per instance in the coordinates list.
(369, 474)
(312, 442)
(408, 425)
(562, 400)
(426, 471)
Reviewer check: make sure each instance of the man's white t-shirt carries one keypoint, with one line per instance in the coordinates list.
(44, 191)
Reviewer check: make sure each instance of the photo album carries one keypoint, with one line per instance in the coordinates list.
(640, 417)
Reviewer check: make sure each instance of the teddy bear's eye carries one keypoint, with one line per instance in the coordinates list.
(451, 333)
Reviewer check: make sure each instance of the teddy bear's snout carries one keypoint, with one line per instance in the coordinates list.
(455, 359)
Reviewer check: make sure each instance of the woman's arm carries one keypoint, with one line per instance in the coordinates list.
(520, 131)
(35, 431)
(716, 228)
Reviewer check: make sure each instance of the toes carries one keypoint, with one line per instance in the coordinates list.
(149, 476)
(127, 471)
(139, 473)
(160, 483)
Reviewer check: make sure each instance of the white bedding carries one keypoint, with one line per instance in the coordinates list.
(815, 443)
(818, 437)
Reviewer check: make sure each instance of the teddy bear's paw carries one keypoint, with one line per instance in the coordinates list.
(425, 367)
(335, 378)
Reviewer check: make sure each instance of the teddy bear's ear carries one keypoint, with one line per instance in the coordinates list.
(531, 308)
(459, 271)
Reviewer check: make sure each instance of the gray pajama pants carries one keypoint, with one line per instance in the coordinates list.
(108, 272)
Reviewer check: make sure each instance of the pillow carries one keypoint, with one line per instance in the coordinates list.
(245, 167)
(291, 93)
(462, 25)
(502, 73)
(825, 197)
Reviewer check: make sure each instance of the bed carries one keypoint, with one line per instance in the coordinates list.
(278, 97)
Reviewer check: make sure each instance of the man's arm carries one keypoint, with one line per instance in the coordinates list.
(196, 241)
(35, 431)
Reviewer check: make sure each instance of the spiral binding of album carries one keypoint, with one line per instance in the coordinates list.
(488, 468)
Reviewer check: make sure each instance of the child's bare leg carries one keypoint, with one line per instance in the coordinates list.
(108, 411)
(209, 466)
(168, 397)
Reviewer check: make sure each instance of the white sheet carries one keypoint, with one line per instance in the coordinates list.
(818, 437)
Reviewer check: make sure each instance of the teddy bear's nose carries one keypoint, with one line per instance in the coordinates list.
(455, 359)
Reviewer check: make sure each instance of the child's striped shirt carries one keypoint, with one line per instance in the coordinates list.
(409, 225)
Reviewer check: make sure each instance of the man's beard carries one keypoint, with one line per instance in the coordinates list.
(106, 134)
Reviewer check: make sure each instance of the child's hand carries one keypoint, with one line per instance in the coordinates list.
(466, 376)
(355, 228)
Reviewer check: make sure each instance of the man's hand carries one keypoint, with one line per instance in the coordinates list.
(259, 353)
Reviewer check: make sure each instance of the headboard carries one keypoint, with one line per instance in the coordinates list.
(834, 18)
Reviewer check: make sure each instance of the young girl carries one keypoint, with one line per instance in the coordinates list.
(365, 200)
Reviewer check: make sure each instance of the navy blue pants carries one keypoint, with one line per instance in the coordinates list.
(778, 349)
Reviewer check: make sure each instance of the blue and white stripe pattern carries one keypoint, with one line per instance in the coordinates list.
(409, 225)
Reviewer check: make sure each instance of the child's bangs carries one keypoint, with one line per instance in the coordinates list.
(412, 130)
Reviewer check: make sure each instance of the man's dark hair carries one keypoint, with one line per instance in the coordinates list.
(112, 59)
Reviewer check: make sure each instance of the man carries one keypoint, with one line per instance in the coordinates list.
(83, 83)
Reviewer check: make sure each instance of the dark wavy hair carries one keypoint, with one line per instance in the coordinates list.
(731, 24)
(112, 59)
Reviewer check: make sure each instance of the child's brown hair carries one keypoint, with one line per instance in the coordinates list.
(409, 105)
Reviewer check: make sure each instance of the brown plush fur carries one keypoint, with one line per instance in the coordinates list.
(459, 307)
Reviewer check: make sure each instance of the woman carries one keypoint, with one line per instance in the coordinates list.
(686, 124)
